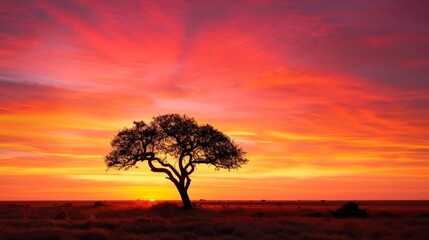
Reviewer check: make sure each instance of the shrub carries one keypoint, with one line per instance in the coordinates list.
(350, 209)
(99, 204)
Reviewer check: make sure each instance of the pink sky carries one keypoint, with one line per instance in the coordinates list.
(329, 98)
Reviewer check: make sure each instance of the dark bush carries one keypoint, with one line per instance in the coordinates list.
(350, 209)
(99, 204)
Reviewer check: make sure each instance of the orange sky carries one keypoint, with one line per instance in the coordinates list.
(329, 98)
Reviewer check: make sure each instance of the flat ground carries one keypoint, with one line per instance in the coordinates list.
(211, 220)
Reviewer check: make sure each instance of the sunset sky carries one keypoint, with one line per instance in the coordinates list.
(330, 99)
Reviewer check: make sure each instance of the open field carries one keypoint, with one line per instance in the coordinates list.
(211, 220)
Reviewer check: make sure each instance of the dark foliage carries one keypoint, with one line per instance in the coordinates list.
(350, 209)
(99, 204)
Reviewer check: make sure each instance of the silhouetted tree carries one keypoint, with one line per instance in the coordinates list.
(174, 137)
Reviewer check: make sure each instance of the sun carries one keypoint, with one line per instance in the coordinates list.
(151, 200)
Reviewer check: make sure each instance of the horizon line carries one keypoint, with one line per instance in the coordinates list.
(202, 200)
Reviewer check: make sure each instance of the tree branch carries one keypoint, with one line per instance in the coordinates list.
(188, 182)
(190, 164)
(164, 170)
(181, 163)
(168, 165)
(201, 161)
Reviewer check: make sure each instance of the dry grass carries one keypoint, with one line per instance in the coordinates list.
(210, 220)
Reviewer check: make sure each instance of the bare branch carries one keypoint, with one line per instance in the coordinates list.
(189, 165)
(168, 165)
(164, 170)
(182, 169)
(187, 182)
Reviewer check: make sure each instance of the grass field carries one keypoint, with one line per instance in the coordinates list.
(211, 220)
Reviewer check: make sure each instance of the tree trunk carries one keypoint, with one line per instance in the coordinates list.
(185, 198)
